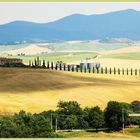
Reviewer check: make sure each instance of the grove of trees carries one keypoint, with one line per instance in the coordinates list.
(68, 116)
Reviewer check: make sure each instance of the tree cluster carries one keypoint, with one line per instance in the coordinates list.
(68, 116)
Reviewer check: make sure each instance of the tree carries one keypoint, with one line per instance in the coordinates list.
(43, 65)
(95, 117)
(71, 122)
(135, 105)
(68, 113)
(113, 115)
(35, 62)
(69, 108)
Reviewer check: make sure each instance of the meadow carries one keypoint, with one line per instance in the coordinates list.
(36, 90)
(129, 133)
(87, 46)
(66, 57)
(128, 56)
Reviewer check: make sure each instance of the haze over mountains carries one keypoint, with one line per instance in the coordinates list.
(119, 24)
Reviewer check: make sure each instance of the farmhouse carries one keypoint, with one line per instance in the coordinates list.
(4, 61)
(89, 64)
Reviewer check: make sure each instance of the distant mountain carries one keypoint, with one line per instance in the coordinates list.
(120, 24)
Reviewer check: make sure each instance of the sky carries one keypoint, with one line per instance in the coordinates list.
(43, 12)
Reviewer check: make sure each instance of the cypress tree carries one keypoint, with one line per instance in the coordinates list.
(48, 65)
(32, 64)
(127, 71)
(72, 68)
(89, 70)
(131, 71)
(60, 65)
(52, 65)
(56, 66)
(110, 71)
(114, 70)
(135, 71)
(118, 71)
(38, 61)
(68, 67)
(43, 65)
(102, 71)
(76, 68)
(105, 70)
(64, 67)
(123, 71)
(35, 63)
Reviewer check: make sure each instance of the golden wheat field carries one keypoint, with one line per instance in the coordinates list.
(36, 90)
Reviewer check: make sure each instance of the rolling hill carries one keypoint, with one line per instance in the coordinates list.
(119, 24)
(36, 90)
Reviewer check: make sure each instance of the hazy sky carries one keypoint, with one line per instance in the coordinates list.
(49, 11)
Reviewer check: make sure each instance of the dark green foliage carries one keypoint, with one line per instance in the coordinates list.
(68, 108)
(113, 115)
(110, 71)
(56, 67)
(13, 65)
(135, 71)
(94, 117)
(60, 66)
(25, 125)
(118, 71)
(69, 115)
(38, 61)
(35, 62)
(64, 67)
(44, 65)
(68, 67)
(105, 70)
(131, 71)
(135, 105)
(123, 71)
(89, 70)
(114, 70)
(52, 65)
(102, 70)
(48, 65)
(72, 69)
(127, 71)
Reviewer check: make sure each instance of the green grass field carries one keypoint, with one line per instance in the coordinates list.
(54, 57)
(129, 133)
(87, 45)
(36, 90)
(130, 56)
(65, 46)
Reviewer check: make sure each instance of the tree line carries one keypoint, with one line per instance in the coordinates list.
(69, 115)
(59, 65)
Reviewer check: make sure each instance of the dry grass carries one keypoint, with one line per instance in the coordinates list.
(36, 90)
(119, 63)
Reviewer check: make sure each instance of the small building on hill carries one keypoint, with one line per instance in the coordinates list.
(12, 61)
(88, 64)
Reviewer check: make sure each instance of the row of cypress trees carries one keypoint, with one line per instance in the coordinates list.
(59, 65)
